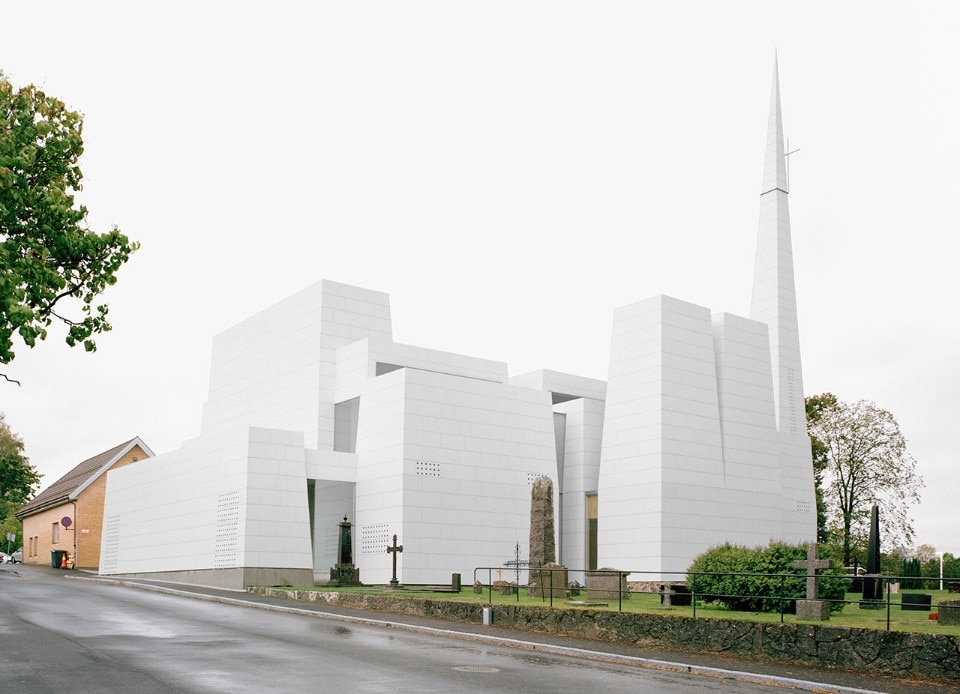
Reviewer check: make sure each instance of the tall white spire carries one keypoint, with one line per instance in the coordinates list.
(775, 160)
(774, 295)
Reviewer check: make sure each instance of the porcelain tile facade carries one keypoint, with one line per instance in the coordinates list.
(696, 438)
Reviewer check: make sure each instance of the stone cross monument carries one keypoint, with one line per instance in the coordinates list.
(812, 609)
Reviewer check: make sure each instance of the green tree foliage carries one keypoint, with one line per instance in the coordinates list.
(815, 406)
(10, 524)
(54, 266)
(18, 480)
(865, 462)
(757, 579)
(951, 566)
(910, 567)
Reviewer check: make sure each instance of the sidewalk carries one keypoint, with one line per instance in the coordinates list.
(798, 677)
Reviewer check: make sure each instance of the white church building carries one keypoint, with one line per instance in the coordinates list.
(698, 437)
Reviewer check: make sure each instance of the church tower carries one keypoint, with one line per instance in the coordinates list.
(704, 436)
(775, 303)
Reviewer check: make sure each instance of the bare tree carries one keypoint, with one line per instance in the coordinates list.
(866, 462)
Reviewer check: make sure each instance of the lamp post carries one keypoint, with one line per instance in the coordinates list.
(940, 554)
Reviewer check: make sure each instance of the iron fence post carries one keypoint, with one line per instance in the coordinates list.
(693, 593)
(888, 605)
(781, 599)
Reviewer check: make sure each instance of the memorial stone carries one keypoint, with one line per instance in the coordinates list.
(948, 612)
(606, 584)
(542, 530)
(919, 602)
(872, 581)
(549, 580)
(812, 609)
(344, 573)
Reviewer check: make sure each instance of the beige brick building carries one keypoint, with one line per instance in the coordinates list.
(77, 496)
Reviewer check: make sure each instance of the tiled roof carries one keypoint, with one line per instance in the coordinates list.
(60, 491)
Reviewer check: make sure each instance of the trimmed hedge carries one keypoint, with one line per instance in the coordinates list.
(760, 579)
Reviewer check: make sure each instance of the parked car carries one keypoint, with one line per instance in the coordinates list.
(4, 557)
(17, 556)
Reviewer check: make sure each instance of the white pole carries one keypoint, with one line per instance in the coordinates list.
(941, 570)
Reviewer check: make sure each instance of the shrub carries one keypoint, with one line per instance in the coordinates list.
(760, 579)
(911, 567)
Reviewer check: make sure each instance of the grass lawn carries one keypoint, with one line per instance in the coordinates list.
(649, 603)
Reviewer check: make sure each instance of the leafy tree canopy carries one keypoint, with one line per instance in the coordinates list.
(863, 460)
(53, 265)
(18, 478)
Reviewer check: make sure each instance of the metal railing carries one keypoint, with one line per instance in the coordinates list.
(791, 586)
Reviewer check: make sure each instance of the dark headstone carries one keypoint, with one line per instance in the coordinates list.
(915, 601)
(872, 582)
(345, 546)
(344, 573)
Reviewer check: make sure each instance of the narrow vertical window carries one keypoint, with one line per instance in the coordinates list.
(591, 532)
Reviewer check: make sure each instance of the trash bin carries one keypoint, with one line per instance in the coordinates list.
(56, 557)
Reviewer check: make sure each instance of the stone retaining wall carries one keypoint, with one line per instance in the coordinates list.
(888, 652)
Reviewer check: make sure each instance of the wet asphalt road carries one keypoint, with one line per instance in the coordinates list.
(61, 634)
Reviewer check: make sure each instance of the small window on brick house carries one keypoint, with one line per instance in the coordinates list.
(55, 529)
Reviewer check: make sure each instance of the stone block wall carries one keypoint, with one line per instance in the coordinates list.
(896, 653)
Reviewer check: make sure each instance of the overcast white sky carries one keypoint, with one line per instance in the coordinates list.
(509, 172)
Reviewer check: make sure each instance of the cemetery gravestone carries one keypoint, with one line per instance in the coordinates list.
(812, 609)
(344, 573)
(872, 581)
(542, 547)
(548, 581)
(394, 550)
(606, 584)
(949, 612)
(915, 601)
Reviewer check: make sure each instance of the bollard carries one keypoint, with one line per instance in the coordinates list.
(487, 616)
